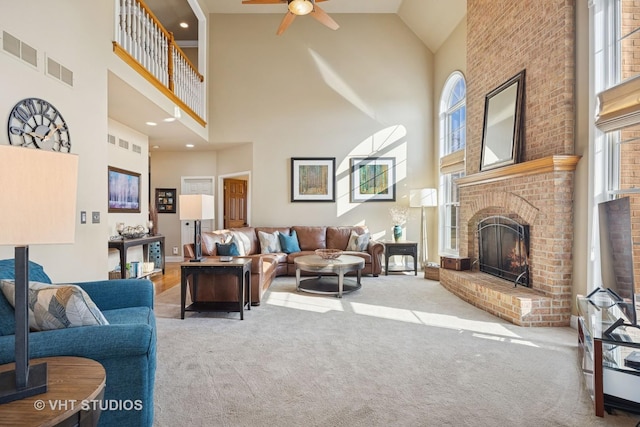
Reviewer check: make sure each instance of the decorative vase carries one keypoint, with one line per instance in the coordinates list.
(397, 232)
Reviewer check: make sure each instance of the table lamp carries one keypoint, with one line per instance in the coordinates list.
(423, 198)
(38, 206)
(196, 207)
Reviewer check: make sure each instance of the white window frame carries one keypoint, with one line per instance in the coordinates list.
(452, 164)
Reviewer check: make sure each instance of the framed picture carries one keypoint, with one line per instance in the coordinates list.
(166, 200)
(373, 179)
(124, 190)
(313, 179)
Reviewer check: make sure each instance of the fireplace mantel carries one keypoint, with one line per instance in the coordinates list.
(556, 163)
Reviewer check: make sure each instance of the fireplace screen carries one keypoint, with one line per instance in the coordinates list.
(504, 249)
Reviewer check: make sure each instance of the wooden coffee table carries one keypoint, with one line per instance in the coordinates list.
(328, 284)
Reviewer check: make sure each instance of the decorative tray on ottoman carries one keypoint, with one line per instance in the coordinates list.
(328, 253)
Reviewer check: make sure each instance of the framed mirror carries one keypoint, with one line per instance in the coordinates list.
(502, 124)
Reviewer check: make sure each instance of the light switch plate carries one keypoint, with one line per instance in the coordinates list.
(83, 217)
(95, 217)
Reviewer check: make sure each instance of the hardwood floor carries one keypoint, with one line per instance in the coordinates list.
(170, 278)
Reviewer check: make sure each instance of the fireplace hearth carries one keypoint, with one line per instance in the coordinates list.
(504, 249)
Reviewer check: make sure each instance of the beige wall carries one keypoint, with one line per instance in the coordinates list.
(311, 92)
(581, 269)
(167, 169)
(84, 107)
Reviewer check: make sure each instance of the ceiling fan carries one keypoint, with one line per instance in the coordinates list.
(299, 7)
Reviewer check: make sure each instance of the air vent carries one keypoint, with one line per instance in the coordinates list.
(123, 144)
(136, 148)
(60, 72)
(18, 48)
(111, 139)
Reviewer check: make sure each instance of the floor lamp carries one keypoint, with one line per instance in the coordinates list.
(38, 206)
(423, 198)
(196, 207)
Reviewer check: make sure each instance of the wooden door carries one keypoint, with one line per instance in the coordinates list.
(235, 203)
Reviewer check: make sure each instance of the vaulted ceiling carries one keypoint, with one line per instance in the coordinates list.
(431, 20)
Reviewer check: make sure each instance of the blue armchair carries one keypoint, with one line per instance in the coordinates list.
(126, 347)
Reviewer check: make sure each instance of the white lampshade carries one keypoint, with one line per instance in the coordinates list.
(38, 202)
(196, 206)
(425, 197)
(300, 7)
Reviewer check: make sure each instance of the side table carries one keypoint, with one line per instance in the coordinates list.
(240, 267)
(401, 247)
(75, 388)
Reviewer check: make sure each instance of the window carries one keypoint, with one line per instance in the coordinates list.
(617, 142)
(453, 124)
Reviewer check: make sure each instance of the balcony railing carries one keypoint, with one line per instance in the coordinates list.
(147, 46)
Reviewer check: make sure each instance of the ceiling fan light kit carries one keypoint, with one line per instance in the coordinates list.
(300, 7)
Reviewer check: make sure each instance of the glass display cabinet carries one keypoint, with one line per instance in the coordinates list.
(609, 353)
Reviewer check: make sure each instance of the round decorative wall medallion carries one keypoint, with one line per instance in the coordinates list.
(34, 122)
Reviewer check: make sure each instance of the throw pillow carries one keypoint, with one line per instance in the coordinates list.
(227, 249)
(289, 243)
(269, 242)
(358, 242)
(56, 306)
(242, 242)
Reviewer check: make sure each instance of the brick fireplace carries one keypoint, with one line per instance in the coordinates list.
(538, 194)
(503, 38)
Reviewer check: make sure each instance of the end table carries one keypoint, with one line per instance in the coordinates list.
(401, 247)
(75, 387)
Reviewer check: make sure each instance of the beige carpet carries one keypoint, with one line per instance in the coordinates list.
(401, 351)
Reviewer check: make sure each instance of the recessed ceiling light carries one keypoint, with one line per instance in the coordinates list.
(184, 25)
(152, 124)
(156, 146)
(189, 145)
(169, 119)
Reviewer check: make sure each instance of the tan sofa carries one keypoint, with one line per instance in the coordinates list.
(264, 267)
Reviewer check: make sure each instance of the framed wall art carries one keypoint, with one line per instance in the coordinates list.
(166, 200)
(313, 179)
(124, 190)
(373, 179)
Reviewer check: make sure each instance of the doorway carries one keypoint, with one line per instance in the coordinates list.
(234, 191)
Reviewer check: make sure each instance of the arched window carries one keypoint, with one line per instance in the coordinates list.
(453, 138)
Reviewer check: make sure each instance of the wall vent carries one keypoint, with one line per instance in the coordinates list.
(123, 144)
(60, 72)
(111, 139)
(18, 48)
(136, 148)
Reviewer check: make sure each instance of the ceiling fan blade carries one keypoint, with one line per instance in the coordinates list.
(322, 16)
(286, 21)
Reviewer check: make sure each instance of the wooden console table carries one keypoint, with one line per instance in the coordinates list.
(75, 388)
(123, 244)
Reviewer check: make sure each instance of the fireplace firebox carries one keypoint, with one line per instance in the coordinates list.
(504, 249)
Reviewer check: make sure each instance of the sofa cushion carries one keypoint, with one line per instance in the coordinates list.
(358, 242)
(269, 242)
(248, 238)
(36, 271)
(289, 243)
(227, 249)
(311, 238)
(209, 240)
(338, 236)
(56, 306)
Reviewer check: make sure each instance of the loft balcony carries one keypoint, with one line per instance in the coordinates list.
(143, 43)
